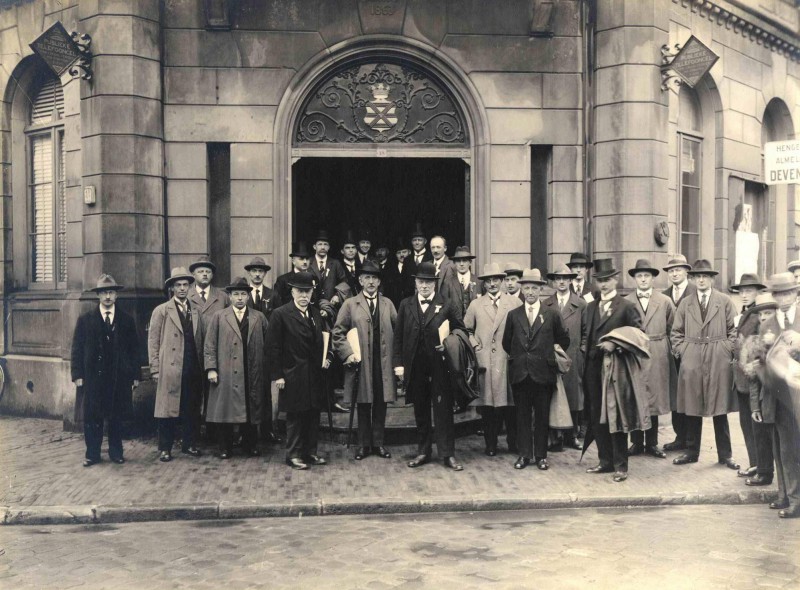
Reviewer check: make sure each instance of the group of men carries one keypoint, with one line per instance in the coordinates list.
(613, 363)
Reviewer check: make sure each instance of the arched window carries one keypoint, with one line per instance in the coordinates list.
(46, 186)
(690, 172)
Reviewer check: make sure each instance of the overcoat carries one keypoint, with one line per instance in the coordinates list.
(216, 299)
(752, 358)
(705, 349)
(470, 293)
(531, 349)
(573, 318)
(448, 286)
(294, 353)
(165, 352)
(355, 314)
(660, 373)
(224, 353)
(120, 370)
(747, 327)
(486, 326)
(625, 404)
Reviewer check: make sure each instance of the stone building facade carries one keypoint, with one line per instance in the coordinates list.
(527, 129)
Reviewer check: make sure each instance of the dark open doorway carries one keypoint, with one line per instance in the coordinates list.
(384, 195)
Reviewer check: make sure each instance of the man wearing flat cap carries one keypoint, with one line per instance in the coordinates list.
(580, 264)
(176, 361)
(462, 259)
(703, 337)
(105, 367)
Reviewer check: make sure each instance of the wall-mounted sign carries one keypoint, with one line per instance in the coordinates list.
(62, 51)
(685, 65)
(782, 162)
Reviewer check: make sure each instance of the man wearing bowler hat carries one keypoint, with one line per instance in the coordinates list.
(364, 246)
(176, 361)
(295, 348)
(350, 261)
(604, 314)
(580, 264)
(105, 366)
(657, 314)
(703, 337)
(418, 360)
(466, 279)
(419, 254)
(300, 257)
(328, 272)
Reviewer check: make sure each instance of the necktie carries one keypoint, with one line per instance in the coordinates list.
(530, 316)
(578, 287)
(203, 295)
(371, 303)
(321, 268)
(108, 319)
(606, 305)
(424, 304)
(258, 298)
(418, 258)
(182, 309)
(782, 319)
(561, 304)
(239, 315)
(704, 305)
(496, 302)
(309, 319)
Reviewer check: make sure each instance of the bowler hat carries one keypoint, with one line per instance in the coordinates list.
(676, 261)
(369, 268)
(513, 269)
(426, 271)
(748, 280)
(764, 301)
(239, 284)
(418, 231)
(604, 269)
(322, 236)
(202, 261)
(300, 250)
(462, 253)
(302, 280)
(179, 273)
(491, 270)
(563, 272)
(643, 265)
(532, 275)
(579, 258)
(257, 262)
(349, 238)
(702, 267)
(794, 265)
(106, 282)
(781, 282)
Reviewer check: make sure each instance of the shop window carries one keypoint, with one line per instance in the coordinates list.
(690, 173)
(757, 218)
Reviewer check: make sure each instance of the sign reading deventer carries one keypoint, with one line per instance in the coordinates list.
(782, 162)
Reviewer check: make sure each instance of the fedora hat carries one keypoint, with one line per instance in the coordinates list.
(322, 236)
(257, 262)
(782, 281)
(202, 261)
(764, 301)
(302, 280)
(643, 265)
(794, 265)
(579, 258)
(563, 272)
(702, 267)
(178, 273)
(532, 275)
(491, 270)
(604, 269)
(300, 250)
(462, 253)
(748, 280)
(106, 282)
(676, 261)
(418, 231)
(239, 284)
(426, 271)
(513, 269)
(369, 268)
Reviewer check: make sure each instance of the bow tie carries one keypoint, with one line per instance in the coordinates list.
(425, 302)
(643, 295)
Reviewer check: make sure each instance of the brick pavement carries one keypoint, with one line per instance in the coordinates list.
(40, 471)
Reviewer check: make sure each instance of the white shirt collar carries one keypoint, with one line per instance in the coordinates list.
(790, 314)
(420, 253)
(701, 293)
(239, 312)
(681, 287)
(104, 311)
(533, 307)
(297, 307)
(185, 304)
(647, 291)
(608, 297)
(200, 289)
(322, 260)
(420, 297)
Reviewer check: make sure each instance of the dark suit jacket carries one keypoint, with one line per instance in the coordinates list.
(687, 292)
(410, 269)
(392, 282)
(622, 313)
(216, 299)
(531, 350)
(334, 274)
(407, 335)
(588, 287)
(352, 278)
(266, 301)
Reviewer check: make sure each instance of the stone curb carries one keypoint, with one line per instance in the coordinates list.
(52, 515)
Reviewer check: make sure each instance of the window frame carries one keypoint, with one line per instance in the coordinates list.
(698, 139)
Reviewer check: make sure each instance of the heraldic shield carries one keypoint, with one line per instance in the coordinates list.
(381, 112)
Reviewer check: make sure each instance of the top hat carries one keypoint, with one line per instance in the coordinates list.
(491, 270)
(532, 275)
(702, 267)
(676, 261)
(302, 280)
(178, 273)
(643, 265)
(748, 280)
(782, 281)
(426, 271)
(349, 238)
(106, 283)
(401, 245)
(604, 269)
(513, 269)
(369, 268)
(579, 258)
(764, 301)
(239, 284)
(202, 261)
(462, 253)
(418, 231)
(563, 272)
(322, 236)
(257, 262)
(794, 265)
(300, 250)
(364, 234)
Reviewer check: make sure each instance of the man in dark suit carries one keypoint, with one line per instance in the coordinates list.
(419, 362)
(580, 264)
(327, 272)
(282, 293)
(419, 254)
(364, 246)
(531, 333)
(295, 359)
(447, 285)
(513, 273)
(680, 288)
(608, 312)
(106, 366)
(392, 282)
(351, 262)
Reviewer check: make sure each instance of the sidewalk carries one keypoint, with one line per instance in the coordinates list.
(42, 481)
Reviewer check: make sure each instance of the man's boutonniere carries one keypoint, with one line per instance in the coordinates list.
(608, 311)
(327, 272)
(541, 320)
(437, 309)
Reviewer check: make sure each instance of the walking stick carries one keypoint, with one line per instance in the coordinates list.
(353, 403)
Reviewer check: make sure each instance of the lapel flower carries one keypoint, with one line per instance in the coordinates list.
(541, 319)
(437, 309)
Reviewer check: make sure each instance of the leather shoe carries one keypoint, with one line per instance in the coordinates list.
(224, 455)
(684, 459)
(654, 451)
(634, 450)
(790, 513)
(556, 447)
(419, 461)
(316, 460)
(600, 469)
(118, 460)
(675, 445)
(620, 476)
(296, 463)
(90, 462)
(340, 409)
(779, 505)
(729, 463)
(193, 451)
(522, 463)
(749, 472)
(165, 457)
(542, 464)
(575, 444)
(272, 438)
(451, 463)
(361, 453)
(383, 453)
(490, 452)
(759, 479)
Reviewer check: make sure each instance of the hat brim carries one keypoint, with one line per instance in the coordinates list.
(266, 267)
(606, 275)
(532, 282)
(109, 288)
(374, 273)
(296, 255)
(171, 280)
(232, 288)
(499, 275)
(302, 286)
(707, 271)
(669, 267)
(763, 307)
(463, 257)
(426, 277)
(783, 287)
(514, 273)
(737, 288)
(554, 275)
(653, 271)
(587, 263)
(195, 265)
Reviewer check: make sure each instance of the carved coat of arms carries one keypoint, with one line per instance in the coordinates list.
(381, 112)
